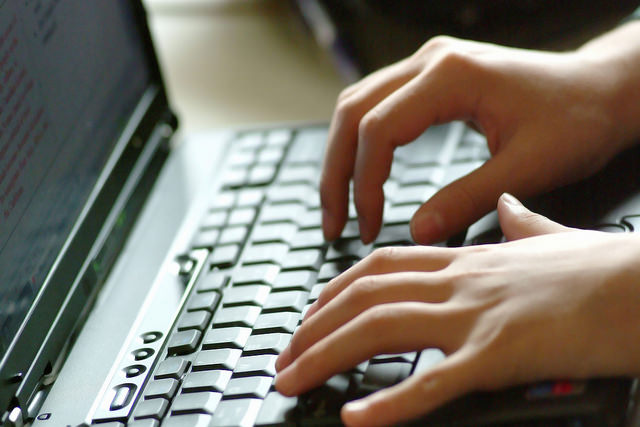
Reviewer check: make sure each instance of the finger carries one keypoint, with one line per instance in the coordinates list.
(339, 159)
(416, 396)
(439, 94)
(518, 222)
(365, 293)
(388, 328)
(465, 200)
(384, 261)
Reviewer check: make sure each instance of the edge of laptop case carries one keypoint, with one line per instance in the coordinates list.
(89, 251)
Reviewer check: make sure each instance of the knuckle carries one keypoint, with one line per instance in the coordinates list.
(377, 318)
(370, 125)
(436, 43)
(346, 111)
(384, 257)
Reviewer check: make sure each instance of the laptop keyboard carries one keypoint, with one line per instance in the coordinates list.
(266, 262)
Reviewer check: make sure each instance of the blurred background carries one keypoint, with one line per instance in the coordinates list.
(238, 62)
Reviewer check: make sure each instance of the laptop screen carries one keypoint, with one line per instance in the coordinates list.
(71, 73)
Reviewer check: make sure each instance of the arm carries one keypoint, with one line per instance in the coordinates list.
(549, 119)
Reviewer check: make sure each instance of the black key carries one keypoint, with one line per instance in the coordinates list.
(264, 364)
(273, 253)
(226, 338)
(302, 259)
(171, 367)
(206, 381)
(151, 408)
(266, 344)
(204, 402)
(307, 146)
(192, 420)
(236, 412)
(386, 374)
(332, 269)
(394, 235)
(294, 280)
(147, 422)
(245, 295)
(308, 239)
(203, 301)
(261, 175)
(244, 316)
(231, 235)
(206, 238)
(223, 359)
(269, 323)
(194, 320)
(276, 410)
(285, 301)
(165, 388)
(224, 256)
(212, 281)
(248, 387)
(184, 342)
(278, 232)
(256, 274)
(250, 198)
(241, 216)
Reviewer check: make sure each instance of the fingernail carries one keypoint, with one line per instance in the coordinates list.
(356, 406)
(427, 228)
(511, 200)
(283, 383)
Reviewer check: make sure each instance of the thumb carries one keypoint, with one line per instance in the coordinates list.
(518, 222)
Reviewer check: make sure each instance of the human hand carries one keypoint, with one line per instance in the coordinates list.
(560, 303)
(549, 119)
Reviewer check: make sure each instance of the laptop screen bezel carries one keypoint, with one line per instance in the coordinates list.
(35, 349)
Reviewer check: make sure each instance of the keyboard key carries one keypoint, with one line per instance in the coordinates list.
(413, 194)
(633, 222)
(278, 232)
(165, 388)
(226, 338)
(171, 367)
(244, 316)
(248, 387)
(235, 178)
(401, 357)
(307, 174)
(343, 249)
(184, 342)
(330, 270)
(307, 146)
(215, 219)
(250, 141)
(312, 218)
(394, 235)
(245, 295)
(242, 158)
(302, 259)
(271, 155)
(386, 374)
(285, 301)
(288, 212)
(421, 175)
(151, 408)
(206, 238)
(250, 197)
(223, 201)
(296, 193)
(400, 214)
(224, 256)
(224, 359)
(256, 274)
(278, 137)
(315, 291)
(276, 410)
(236, 412)
(147, 422)
(308, 239)
(207, 301)
(241, 216)
(273, 253)
(256, 365)
(294, 280)
(428, 358)
(261, 175)
(195, 320)
(187, 421)
(231, 235)
(206, 381)
(204, 402)
(269, 323)
(212, 281)
(266, 344)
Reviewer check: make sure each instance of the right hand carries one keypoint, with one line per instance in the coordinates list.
(548, 118)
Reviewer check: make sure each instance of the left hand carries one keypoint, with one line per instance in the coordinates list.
(558, 303)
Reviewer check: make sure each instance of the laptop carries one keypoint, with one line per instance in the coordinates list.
(147, 282)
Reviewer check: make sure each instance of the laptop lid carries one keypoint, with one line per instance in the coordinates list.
(80, 113)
